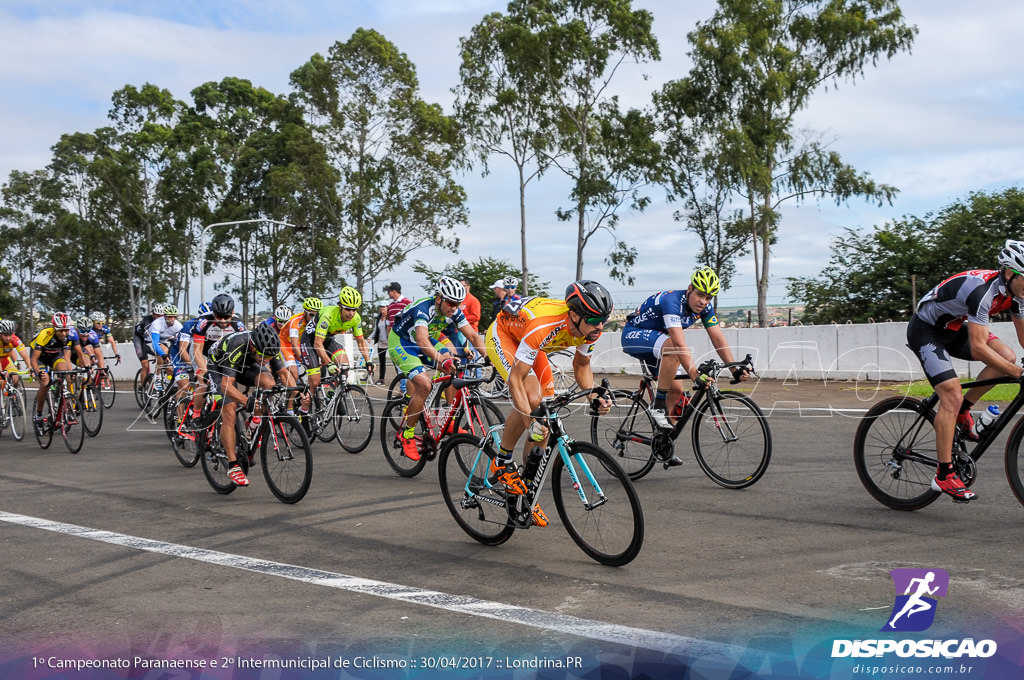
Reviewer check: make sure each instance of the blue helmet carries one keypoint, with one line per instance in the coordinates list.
(204, 308)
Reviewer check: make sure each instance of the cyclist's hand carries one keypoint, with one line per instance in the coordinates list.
(448, 366)
(333, 368)
(118, 357)
(600, 405)
(740, 374)
(704, 380)
(250, 403)
(487, 360)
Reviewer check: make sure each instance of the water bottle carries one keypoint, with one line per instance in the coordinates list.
(677, 410)
(987, 417)
(532, 463)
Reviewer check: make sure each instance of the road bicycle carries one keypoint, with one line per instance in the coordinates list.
(182, 417)
(89, 402)
(894, 450)
(285, 454)
(565, 381)
(340, 409)
(60, 412)
(105, 383)
(157, 381)
(731, 439)
(12, 405)
(594, 497)
(467, 412)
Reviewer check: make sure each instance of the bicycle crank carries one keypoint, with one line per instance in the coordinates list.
(966, 468)
(661, 446)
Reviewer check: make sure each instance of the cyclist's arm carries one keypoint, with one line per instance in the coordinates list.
(154, 337)
(112, 343)
(721, 344)
(1018, 326)
(231, 392)
(197, 352)
(81, 356)
(364, 349)
(426, 345)
(475, 339)
(978, 337)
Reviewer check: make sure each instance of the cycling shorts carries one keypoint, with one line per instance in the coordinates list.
(311, 358)
(142, 348)
(644, 344)
(406, 356)
(288, 355)
(934, 348)
(501, 348)
(249, 377)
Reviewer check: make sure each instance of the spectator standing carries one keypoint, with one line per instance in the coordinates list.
(471, 307)
(380, 338)
(398, 301)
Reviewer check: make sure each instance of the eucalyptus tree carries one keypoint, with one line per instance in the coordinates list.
(395, 154)
(574, 48)
(757, 63)
(25, 219)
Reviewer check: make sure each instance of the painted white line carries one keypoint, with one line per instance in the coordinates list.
(535, 618)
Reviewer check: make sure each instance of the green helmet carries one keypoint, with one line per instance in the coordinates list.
(705, 280)
(312, 304)
(349, 297)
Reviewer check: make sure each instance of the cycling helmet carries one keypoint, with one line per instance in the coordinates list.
(283, 313)
(6, 326)
(264, 340)
(157, 309)
(84, 323)
(222, 305)
(170, 310)
(511, 282)
(61, 321)
(451, 289)
(98, 317)
(705, 280)
(312, 304)
(350, 298)
(589, 299)
(1012, 256)
(204, 308)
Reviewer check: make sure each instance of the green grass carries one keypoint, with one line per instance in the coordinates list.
(921, 388)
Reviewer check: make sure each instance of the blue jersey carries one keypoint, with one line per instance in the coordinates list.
(668, 309)
(425, 313)
(89, 338)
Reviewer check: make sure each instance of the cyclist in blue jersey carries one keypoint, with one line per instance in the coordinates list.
(102, 330)
(654, 334)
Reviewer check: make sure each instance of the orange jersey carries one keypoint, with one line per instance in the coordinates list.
(539, 325)
(7, 347)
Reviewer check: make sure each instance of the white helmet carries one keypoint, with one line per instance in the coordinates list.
(98, 317)
(451, 289)
(283, 313)
(511, 282)
(1012, 256)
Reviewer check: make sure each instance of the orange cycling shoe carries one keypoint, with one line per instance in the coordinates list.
(410, 447)
(507, 472)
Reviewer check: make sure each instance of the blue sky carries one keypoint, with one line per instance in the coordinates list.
(938, 123)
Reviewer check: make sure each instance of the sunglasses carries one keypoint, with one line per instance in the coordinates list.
(350, 309)
(222, 318)
(594, 320)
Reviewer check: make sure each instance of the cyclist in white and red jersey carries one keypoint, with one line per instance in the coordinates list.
(953, 320)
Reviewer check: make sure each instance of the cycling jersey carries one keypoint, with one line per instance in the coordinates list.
(142, 327)
(163, 333)
(424, 312)
(103, 331)
(539, 325)
(330, 322)
(668, 309)
(6, 348)
(974, 296)
(231, 358)
(49, 347)
(207, 332)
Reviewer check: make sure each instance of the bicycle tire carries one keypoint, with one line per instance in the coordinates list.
(1015, 461)
(353, 419)
(485, 519)
(5, 411)
(72, 431)
(495, 388)
(626, 432)
(323, 418)
(741, 462)
(394, 391)
(185, 450)
(215, 460)
(108, 388)
(18, 413)
(44, 428)
(611, 533)
(141, 387)
(286, 458)
(390, 430)
(889, 476)
(91, 410)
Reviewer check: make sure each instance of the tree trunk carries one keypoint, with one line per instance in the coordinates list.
(524, 283)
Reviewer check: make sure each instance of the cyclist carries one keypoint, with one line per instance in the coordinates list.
(102, 331)
(280, 322)
(141, 340)
(211, 327)
(50, 350)
(163, 338)
(343, 318)
(518, 343)
(247, 358)
(654, 334)
(88, 340)
(11, 347)
(953, 319)
(415, 338)
(301, 333)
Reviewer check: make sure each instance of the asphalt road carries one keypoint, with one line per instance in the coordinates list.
(802, 555)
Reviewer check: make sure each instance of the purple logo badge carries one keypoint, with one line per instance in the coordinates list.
(916, 593)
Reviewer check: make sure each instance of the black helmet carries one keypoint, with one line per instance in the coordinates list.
(589, 299)
(222, 305)
(264, 340)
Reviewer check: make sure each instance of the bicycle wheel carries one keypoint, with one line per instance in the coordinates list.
(183, 439)
(323, 416)
(44, 427)
(5, 411)
(894, 451)
(483, 516)
(390, 434)
(731, 440)
(353, 419)
(496, 388)
(286, 459)
(395, 388)
(608, 524)
(108, 388)
(141, 388)
(565, 381)
(626, 432)
(17, 418)
(91, 410)
(71, 429)
(215, 461)
(1015, 461)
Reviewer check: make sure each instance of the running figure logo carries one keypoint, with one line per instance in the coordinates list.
(916, 590)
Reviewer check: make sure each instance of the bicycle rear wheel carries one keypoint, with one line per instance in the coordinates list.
(323, 417)
(353, 419)
(45, 426)
(184, 440)
(286, 459)
(16, 410)
(141, 388)
(894, 451)
(731, 440)
(108, 388)
(5, 411)
(626, 432)
(609, 524)
(91, 410)
(482, 515)
(71, 429)
(390, 440)
(395, 387)
(215, 460)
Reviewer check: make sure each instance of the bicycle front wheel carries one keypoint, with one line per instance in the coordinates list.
(731, 440)
(184, 440)
(215, 460)
(44, 426)
(286, 459)
(598, 505)
(894, 453)
(353, 419)
(17, 418)
(477, 508)
(626, 432)
(71, 429)
(91, 410)
(395, 388)
(141, 388)
(390, 441)
(108, 388)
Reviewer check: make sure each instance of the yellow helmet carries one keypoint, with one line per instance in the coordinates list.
(312, 304)
(349, 297)
(705, 280)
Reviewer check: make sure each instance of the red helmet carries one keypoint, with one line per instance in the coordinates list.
(61, 321)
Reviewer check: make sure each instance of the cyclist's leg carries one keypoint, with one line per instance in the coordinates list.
(142, 351)
(44, 385)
